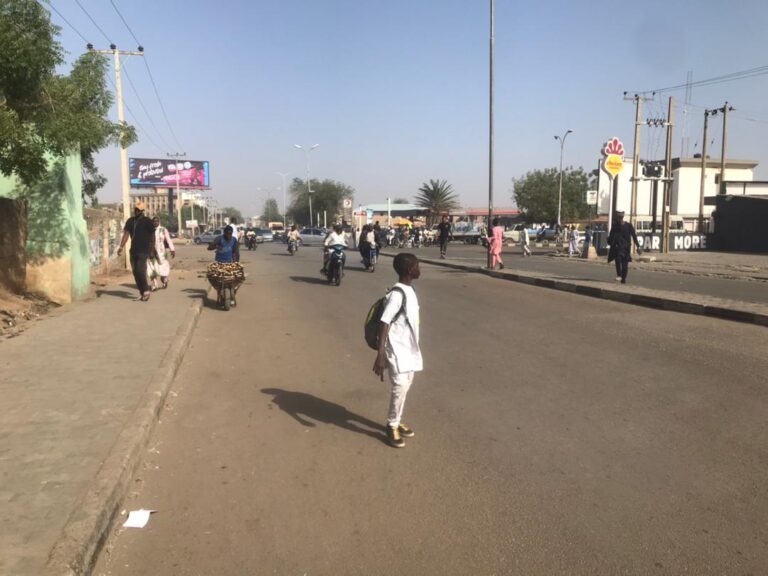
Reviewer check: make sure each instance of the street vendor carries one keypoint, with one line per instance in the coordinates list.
(226, 246)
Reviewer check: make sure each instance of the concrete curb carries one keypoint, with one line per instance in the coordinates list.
(690, 304)
(75, 553)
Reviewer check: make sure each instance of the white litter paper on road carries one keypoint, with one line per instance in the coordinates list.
(137, 518)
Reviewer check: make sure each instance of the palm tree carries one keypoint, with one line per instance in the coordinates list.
(437, 197)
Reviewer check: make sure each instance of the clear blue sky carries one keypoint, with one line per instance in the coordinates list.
(396, 92)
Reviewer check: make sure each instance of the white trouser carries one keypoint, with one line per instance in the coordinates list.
(400, 384)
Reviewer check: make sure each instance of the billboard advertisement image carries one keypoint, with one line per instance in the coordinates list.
(164, 172)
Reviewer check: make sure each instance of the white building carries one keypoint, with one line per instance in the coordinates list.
(686, 186)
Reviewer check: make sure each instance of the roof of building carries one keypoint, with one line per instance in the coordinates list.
(712, 162)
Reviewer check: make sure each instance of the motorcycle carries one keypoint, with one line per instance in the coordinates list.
(370, 257)
(250, 242)
(336, 260)
(293, 247)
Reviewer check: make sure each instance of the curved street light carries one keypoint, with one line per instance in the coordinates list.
(560, 191)
(309, 188)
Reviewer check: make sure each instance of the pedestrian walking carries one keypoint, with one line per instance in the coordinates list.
(443, 235)
(140, 230)
(620, 239)
(525, 242)
(496, 244)
(587, 242)
(399, 352)
(573, 242)
(158, 266)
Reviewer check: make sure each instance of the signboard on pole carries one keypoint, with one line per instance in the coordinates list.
(613, 157)
(592, 197)
(191, 223)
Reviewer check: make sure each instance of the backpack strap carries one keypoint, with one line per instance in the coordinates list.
(402, 306)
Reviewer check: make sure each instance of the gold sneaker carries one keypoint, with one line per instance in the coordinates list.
(393, 438)
(405, 432)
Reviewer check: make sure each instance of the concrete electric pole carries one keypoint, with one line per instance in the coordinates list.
(638, 100)
(667, 178)
(725, 109)
(125, 183)
(703, 177)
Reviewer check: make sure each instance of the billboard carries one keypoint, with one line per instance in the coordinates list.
(163, 172)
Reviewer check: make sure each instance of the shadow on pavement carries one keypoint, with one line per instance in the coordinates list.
(309, 279)
(307, 409)
(117, 294)
(201, 293)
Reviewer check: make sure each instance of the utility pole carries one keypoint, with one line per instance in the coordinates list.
(703, 178)
(490, 129)
(638, 100)
(124, 179)
(283, 175)
(725, 109)
(309, 186)
(177, 164)
(667, 179)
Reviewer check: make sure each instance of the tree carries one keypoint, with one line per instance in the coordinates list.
(536, 195)
(43, 113)
(230, 212)
(437, 197)
(327, 196)
(271, 213)
(400, 201)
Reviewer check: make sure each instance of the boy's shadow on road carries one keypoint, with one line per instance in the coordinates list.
(307, 409)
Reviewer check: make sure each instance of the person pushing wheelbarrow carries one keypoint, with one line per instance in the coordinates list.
(226, 274)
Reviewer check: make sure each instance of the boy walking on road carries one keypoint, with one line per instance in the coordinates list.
(399, 351)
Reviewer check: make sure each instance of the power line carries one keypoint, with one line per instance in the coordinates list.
(141, 103)
(162, 108)
(151, 77)
(750, 73)
(94, 21)
(66, 21)
(124, 22)
(135, 118)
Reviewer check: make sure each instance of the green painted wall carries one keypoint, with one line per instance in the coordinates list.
(57, 235)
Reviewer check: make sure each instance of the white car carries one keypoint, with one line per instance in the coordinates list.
(312, 236)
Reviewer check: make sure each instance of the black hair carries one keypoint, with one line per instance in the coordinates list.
(233, 220)
(403, 263)
(231, 230)
(495, 222)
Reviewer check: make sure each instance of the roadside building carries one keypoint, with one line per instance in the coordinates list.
(685, 192)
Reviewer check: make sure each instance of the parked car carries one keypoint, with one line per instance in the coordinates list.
(208, 236)
(312, 236)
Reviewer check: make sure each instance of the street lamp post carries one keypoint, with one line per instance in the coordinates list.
(560, 189)
(309, 187)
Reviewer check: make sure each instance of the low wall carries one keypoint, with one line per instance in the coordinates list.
(103, 239)
(56, 246)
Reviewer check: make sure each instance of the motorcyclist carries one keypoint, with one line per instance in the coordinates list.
(293, 236)
(336, 237)
(250, 239)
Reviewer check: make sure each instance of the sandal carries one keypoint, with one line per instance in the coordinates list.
(144, 297)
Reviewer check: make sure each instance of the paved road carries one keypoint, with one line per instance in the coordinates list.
(556, 434)
(639, 275)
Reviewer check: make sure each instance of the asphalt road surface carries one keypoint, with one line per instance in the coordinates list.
(555, 434)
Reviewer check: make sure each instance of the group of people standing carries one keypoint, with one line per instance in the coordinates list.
(151, 251)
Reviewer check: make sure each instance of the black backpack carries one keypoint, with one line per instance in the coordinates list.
(374, 317)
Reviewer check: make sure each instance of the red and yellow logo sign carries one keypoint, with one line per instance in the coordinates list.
(613, 163)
